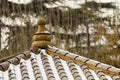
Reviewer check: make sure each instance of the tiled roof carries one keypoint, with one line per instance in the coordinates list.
(45, 62)
(41, 66)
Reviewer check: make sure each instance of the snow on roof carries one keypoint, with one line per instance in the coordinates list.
(77, 1)
(21, 1)
(74, 3)
(43, 67)
(68, 3)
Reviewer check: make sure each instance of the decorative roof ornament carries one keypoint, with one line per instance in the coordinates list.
(42, 38)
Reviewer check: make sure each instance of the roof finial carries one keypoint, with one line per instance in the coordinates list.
(42, 38)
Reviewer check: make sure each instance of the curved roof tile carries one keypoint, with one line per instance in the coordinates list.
(51, 67)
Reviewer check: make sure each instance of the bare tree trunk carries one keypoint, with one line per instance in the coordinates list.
(0, 37)
(87, 30)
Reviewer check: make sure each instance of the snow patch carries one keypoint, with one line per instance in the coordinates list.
(102, 41)
(21, 1)
(118, 42)
(109, 31)
(19, 21)
(4, 37)
(106, 12)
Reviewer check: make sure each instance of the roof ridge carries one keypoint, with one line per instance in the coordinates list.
(92, 64)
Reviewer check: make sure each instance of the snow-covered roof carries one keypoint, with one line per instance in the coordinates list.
(55, 64)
